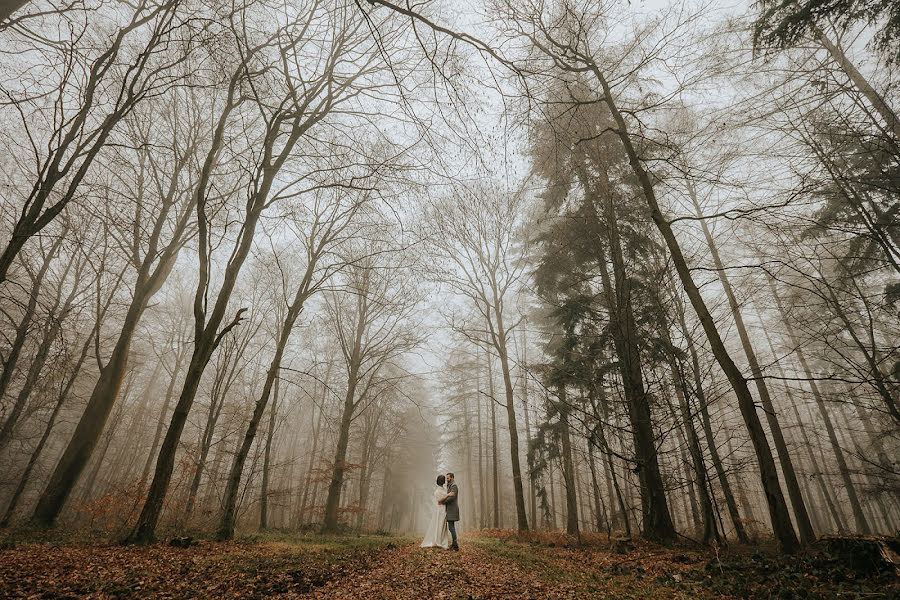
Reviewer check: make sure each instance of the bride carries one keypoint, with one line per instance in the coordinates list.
(437, 536)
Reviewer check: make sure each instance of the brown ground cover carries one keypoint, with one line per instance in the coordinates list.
(494, 564)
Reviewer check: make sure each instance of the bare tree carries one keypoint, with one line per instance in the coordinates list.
(287, 112)
(122, 71)
(475, 239)
(370, 320)
(330, 221)
(159, 208)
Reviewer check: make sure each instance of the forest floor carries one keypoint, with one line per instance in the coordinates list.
(495, 564)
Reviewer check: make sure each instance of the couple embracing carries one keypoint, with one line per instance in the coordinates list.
(444, 515)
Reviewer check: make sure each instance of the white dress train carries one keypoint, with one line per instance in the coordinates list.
(437, 535)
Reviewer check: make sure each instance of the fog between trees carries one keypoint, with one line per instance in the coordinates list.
(621, 269)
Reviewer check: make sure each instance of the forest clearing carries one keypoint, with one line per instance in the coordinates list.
(449, 298)
(492, 564)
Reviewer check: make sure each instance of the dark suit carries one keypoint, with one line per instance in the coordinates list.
(452, 503)
(452, 506)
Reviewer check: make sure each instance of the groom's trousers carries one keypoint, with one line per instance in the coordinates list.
(451, 525)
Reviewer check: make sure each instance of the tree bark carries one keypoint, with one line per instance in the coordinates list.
(332, 501)
(470, 473)
(818, 472)
(495, 456)
(160, 423)
(500, 343)
(313, 452)
(267, 461)
(482, 484)
(207, 334)
(710, 532)
(55, 318)
(229, 512)
(607, 452)
(93, 420)
(532, 493)
(568, 466)
(602, 519)
(216, 402)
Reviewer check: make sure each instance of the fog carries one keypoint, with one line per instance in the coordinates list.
(621, 268)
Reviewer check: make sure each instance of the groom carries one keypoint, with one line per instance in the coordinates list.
(451, 504)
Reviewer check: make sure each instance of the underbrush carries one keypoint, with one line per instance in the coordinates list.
(652, 570)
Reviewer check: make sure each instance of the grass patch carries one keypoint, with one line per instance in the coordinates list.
(525, 555)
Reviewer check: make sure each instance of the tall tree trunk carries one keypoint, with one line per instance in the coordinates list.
(314, 450)
(232, 488)
(207, 324)
(302, 294)
(657, 521)
(482, 483)
(61, 399)
(568, 466)
(32, 461)
(869, 427)
(862, 525)
(332, 502)
(532, 492)
(873, 502)
(696, 452)
(778, 510)
(706, 422)
(161, 421)
(607, 452)
(879, 381)
(88, 491)
(470, 473)
(365, 474)
(602, 519)
(93, 420)
(819, 476)
(267, 462)
(552, 495)
(891, 121)
(501, 344)
(804, 526)
(818, 472)
(56, 316)
(700, 481)
(152, 271)
(742, 489)
(145, 530)
(217, 400)
(495, 449)
(121, 467)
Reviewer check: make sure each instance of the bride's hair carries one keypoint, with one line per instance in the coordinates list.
(441, 479)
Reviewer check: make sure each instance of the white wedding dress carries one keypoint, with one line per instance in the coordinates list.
(437, 535)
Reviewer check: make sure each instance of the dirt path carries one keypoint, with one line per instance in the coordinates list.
(411, 572)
